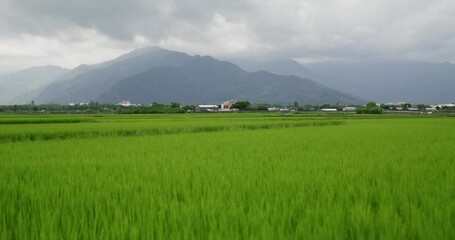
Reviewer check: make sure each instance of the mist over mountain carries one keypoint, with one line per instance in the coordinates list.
(383, 46)
(19, 83)
(94, 80)
(280, 67)
(3, 73)
(207, 80)
(158, 75)
(417, 82)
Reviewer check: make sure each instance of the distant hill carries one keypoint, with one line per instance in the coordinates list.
(94, 80)
(153, 71)
(416, 82)
(207, 80)
(281, 67)
(158, 75)
(3, 73)
(19, 83)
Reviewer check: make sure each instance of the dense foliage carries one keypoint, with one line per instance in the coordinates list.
(242, 105)
(370, 108)
(92, 108)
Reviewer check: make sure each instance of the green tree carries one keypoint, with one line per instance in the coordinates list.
(326, 105)
(370, 108)
(386, 107)
(189, 108)
(295, 105)
(242, 105)
(175, 105)
(262, 107)
(406, 106)
(371, 105)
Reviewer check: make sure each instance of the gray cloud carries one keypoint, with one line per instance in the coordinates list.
(72, 32)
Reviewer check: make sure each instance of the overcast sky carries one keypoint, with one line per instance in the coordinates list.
(71, 32)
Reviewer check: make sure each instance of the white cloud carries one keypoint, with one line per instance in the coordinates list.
(89, 47)
(221, 37)
(68, 33)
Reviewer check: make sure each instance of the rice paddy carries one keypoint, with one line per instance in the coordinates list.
(227, 176)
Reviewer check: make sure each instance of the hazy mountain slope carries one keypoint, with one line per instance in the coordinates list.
(280, 67)
(57, 83)
(3, 73)
(206, 80)
(390, 81)
(84, 68)
(27, 97)
(436, 86)
(92, 83)
(18, 83)
(154, 74)
(64, 81)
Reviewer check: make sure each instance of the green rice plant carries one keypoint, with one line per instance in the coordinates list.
(91, 126)
(367, 178)
(10, 121)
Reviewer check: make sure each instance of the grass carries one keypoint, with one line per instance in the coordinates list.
(369, 178)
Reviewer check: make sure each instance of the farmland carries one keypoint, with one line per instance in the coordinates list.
(227, 176)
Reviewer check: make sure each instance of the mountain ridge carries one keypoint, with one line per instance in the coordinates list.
(416, 82)
(21, 82)
(127, 75)
(205, 79)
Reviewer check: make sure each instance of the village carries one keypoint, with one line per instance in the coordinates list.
(390, 107)
(230, 106)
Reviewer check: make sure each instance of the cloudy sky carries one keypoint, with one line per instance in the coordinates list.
(71, 32)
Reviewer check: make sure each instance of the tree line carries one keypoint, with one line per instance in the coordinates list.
(175, 107)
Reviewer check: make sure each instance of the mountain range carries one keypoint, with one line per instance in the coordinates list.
(15, 85)
(158, 75)
(416, 82)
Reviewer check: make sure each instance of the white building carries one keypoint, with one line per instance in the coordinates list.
(125, 103)
(329, 110)
(349, 109)
(444, 105)
(207, 108)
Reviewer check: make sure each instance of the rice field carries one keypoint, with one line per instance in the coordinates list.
(227, 176)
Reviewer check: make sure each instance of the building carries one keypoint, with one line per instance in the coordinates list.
(225, 106)
(329, 110)
(446, 105)
(349, 109)
(127, 103)
(396, 103)
(78, 104)
(207, 108)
